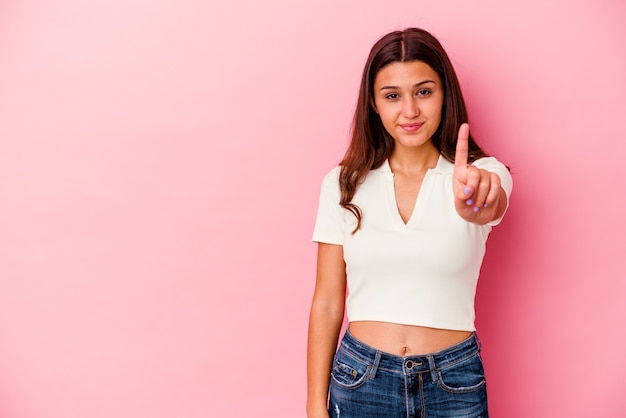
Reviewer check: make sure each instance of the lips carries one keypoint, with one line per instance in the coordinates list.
(410, 127)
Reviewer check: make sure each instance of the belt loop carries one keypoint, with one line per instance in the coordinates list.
(433, 368)
(374, 368)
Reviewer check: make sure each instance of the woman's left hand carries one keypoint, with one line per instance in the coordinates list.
(478, 196)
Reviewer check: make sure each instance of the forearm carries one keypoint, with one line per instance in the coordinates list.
(324, 327)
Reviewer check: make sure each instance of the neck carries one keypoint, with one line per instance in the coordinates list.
(413, 160)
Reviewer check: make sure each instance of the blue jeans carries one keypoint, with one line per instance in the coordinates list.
(366, 382)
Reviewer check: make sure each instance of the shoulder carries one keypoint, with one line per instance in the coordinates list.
(332, 175)
(331, 179)
(488, 163)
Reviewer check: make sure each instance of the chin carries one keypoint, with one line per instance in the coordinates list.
(412, 143)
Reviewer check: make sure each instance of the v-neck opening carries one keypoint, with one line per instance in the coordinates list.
(417, 205)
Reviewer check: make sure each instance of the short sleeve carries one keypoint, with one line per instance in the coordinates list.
(506, 181)
(330, 215)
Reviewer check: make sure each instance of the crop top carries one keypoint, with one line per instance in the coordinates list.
(423, 272)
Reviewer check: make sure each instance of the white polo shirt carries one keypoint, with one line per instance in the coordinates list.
(423, 272)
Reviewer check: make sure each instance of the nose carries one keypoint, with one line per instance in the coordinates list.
(410, 108)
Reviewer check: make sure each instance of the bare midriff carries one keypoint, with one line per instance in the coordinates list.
(405, 340)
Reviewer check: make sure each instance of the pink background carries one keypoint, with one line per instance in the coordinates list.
(160, 163)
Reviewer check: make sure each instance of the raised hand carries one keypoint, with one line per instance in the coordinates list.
(478, 196)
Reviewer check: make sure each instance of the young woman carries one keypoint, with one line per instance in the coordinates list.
(402, 225)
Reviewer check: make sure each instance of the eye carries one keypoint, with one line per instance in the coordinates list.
(392, 96)
(423, 92)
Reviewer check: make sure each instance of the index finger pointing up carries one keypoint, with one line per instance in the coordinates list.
(460, 157)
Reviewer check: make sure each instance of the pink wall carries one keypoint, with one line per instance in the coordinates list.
(160, 164)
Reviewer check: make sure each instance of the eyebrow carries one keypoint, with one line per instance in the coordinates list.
(414, 85)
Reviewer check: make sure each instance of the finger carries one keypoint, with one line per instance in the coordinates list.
(472, 182)
(460, 156)
(494, 190)
(482, 190)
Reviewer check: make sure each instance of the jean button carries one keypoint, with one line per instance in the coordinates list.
(409, 364)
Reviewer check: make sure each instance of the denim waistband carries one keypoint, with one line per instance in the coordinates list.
(425, 363)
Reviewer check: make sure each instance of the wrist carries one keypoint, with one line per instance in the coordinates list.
(316, 409)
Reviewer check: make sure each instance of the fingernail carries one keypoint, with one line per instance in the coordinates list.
(467, 190)
(485, 205)
(476, 209)
(469, 202)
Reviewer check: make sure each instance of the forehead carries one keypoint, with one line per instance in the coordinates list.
(406, 73)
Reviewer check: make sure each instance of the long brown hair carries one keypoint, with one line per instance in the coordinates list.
(371, 144)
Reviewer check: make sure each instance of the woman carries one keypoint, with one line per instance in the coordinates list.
(402, 224)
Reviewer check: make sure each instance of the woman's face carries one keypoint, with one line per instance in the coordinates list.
(408, 97)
